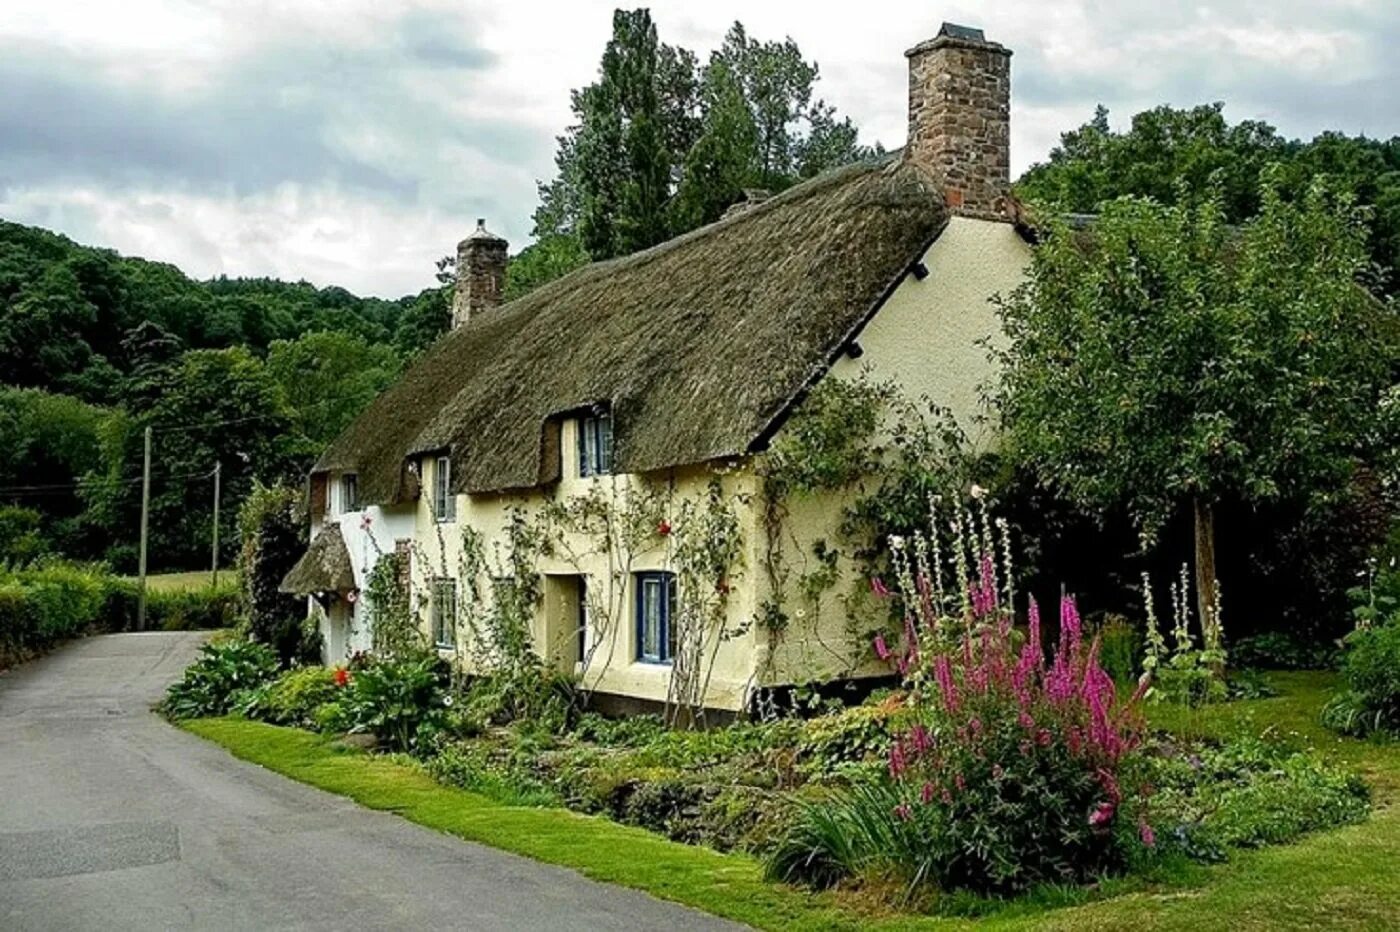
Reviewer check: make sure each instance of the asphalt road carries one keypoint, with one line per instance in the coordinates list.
(111, 819)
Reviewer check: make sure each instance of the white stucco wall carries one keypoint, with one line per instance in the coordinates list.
(369, 533)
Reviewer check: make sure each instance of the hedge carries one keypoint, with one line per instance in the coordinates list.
(47, 602)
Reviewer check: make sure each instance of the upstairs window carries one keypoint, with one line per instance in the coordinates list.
(444, 504)
(595, 445)
(349, 492)
(444, 613)
(656, 604)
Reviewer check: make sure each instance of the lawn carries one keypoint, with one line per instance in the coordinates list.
(1343, 878)
(184, 582)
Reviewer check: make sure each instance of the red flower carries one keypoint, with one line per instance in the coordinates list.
(663, 528)
(342, 676)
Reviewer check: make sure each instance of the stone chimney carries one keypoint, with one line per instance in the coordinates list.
(481, 274)
(960, 118)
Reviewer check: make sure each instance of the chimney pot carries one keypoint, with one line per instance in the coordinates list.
(481, 274)
(960, 118)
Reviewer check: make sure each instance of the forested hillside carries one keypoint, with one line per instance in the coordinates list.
(251, 374)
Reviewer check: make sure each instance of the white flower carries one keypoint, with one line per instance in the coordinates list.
(977, 491)
(447, 700)
(896, 542)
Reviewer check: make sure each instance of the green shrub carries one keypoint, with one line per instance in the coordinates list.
(1120, 648)
(271, 525)
(199, 609)
(471, 768)
(1283, 650)
(850, 742)
(1247, 793)
(849, 833)
(292, 698)
(22, 539)
(397, 700)
(49, 601)
(1370, 704)
(219, 679)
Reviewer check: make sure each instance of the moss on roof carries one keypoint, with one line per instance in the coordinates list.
(697, 344)
(325, 567)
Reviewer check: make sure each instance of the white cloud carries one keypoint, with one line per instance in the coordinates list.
(353, 141)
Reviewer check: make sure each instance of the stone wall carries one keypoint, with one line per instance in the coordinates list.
(960, 118)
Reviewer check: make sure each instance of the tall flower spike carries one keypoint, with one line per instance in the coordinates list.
(935, 533)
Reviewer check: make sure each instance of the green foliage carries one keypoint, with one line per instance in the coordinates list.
(1282, 650)
(470, 767)
(215, 683)
(829, 443)
(1246, 793)
(271, 525)
(851, 743)
(21, 540)
(332, 376)
(397, 700)
(46, 603)
(1166, 356)
(293, 698)
(1370, 703)
(1120, 648)
(1165, 148)
(547, 258)
(660, 145)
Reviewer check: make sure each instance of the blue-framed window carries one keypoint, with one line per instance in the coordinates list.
(656, 605)
(595, 445)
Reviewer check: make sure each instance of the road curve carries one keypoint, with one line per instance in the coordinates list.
(111, 819)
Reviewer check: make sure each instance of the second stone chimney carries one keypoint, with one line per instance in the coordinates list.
(481, 274)
(960, 118)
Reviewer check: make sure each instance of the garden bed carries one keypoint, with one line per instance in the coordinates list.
(1229, 778)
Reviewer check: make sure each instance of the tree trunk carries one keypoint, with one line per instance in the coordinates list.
(1205, 565)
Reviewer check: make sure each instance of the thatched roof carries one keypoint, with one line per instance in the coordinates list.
(699, 345)
(325, 567)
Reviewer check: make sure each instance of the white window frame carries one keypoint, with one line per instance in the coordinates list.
(444, 502)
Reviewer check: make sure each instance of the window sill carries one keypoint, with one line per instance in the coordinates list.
(647, 662)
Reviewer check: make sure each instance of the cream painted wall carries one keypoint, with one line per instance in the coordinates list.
(927, 338)
(612, 665)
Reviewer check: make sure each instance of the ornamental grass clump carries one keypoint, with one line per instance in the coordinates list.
(1011, 767)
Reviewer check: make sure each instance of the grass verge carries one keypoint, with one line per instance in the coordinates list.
(1345, 878)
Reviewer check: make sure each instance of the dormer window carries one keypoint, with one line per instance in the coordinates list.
(595, 445)
(444, 504)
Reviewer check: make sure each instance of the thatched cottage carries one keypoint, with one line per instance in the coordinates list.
(587, 459)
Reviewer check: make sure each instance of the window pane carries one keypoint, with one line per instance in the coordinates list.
(651, 618)
(588, 447)
(604, 444)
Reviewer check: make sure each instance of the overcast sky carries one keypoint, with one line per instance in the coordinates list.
(353, 142)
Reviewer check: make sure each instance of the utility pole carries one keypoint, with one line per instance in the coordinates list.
(145, 526)
(214, 558)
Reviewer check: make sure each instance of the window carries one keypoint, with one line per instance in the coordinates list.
(656, 603)
(595, 445)
(349, 492)
(444, 613)
(444, 504)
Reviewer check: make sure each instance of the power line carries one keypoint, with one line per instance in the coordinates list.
(89, 483)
